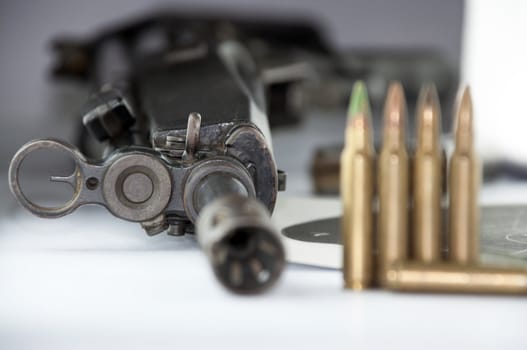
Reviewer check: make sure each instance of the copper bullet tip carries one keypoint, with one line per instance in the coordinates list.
(464, 121)
(395, 115)
(428, 119)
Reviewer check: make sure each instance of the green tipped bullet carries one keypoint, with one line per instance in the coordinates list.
(357, 192)
(359, 102)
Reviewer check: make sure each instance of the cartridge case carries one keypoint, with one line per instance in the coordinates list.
(358, 224)
(463, 212)
(427, 179)
(464, 179)
(455, 278)
(393, 184)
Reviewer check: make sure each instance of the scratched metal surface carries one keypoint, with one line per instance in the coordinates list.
(503, 233)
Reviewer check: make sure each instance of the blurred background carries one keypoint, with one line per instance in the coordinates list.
(378, 41)
(448, 42)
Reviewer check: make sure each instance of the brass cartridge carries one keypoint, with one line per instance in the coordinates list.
(463, 188)
(357, 192)
(393, 183)
(455, 278)
(427, 179)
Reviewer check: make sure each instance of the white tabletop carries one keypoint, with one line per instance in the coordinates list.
(91, 281)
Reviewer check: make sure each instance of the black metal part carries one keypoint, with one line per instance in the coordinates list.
(169, 66)
(107, 116)
(169, 93)
(243, 248)
(242, 244)
(299, 64)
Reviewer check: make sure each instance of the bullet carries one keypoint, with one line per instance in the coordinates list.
(357, 192)
(464, 183)
(455, 278)
(427, 179)
(393, 183)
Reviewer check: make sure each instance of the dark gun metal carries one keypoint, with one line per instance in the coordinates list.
(242, 244)
(182, 128)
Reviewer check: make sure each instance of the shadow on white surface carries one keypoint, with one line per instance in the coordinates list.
(91, 281)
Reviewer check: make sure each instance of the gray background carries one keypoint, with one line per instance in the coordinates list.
(32, 107)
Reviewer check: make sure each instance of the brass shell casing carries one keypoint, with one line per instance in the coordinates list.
(463, 235)
(455, 278)
(357, 197)
(393, 209)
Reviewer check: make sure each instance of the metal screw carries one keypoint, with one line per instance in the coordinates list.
(177, 228)
(155, 226)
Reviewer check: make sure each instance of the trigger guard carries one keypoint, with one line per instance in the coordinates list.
(14, 168)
